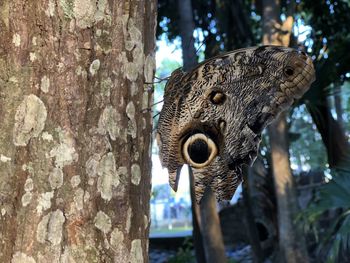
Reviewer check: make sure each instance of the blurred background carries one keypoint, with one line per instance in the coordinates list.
(296, 208)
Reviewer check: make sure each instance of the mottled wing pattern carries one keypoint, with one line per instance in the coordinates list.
(213, 116)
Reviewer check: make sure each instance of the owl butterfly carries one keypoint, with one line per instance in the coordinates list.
(213, 115)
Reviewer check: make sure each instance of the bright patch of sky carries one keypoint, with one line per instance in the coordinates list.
(167, 50)
(302, 32)
(160, 176)
(170, 51)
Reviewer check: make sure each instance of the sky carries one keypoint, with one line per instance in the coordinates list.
(159, 174)
(168, 50)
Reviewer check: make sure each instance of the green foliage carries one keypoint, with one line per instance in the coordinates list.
(215, 20)
(184, 254)
(161, 191)
(170, 232)
(335, 240)
(164, 71)
(306, 148)
(334, 194)
(328, 43)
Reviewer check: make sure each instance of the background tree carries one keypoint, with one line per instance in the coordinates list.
(75, 160)
(330, 39)
(206, 225)
(318, 132)
(189, 58)
(291, 241)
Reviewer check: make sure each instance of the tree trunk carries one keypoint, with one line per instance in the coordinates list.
(241, 25)
(250, 219)
(210, 235)
(186, 23)
(338, 105)
(211, 229)
(332, 133)
(196, 222)
(291, 241)
(75, 149)
(189, 61)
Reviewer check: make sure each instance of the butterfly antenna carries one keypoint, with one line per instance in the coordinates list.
(159, 80)
(162, 79)
(156, 115)
(199, 47)
(150, 107)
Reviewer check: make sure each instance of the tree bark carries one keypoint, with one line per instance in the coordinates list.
(211, 230)
(243, 30)
(196, 222)
(75, 149)
(189, 61)
(291, 241)
(332, 133)
(250, 219)
(206, 225)
(338, 105)
(186, 32)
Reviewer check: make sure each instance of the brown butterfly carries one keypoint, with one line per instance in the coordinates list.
(213, 115)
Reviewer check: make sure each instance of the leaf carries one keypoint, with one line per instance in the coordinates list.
(335, 194)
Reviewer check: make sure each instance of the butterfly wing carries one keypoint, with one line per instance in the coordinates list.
(212, 116)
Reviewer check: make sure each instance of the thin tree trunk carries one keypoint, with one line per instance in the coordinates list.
(250, 219)
(291, 241)
(332, 133)
(338, 105)
(210, 235)
(241, 23)
(186, 32)
(74, 147)
(196, 222)
(189, 61)
(211, 229)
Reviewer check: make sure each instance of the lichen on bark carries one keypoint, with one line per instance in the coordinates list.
(29, 120)
(108, 176)
(72, 153)
(103, 222)
(50, 228)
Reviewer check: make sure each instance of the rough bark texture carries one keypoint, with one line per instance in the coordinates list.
(74, 147)
(291, 241)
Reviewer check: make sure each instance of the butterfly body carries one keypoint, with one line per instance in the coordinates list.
(213, 115)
